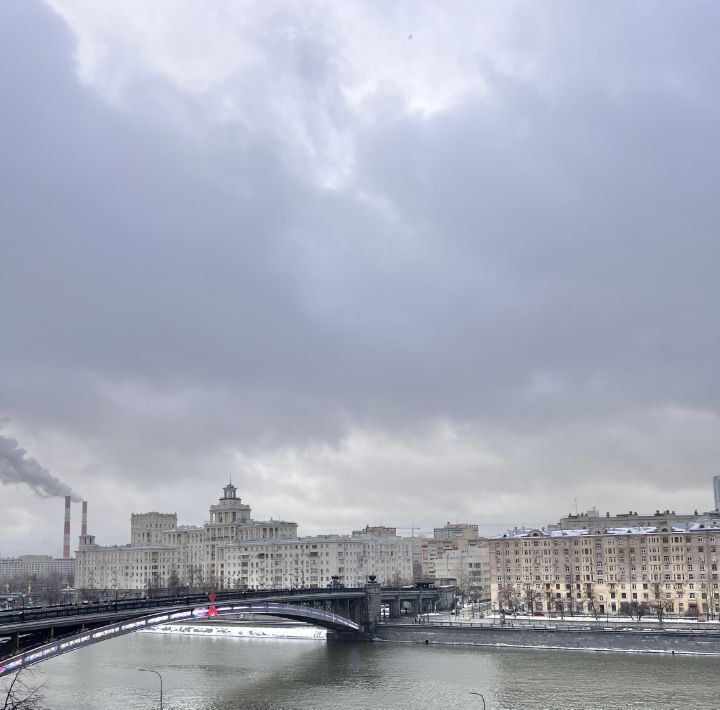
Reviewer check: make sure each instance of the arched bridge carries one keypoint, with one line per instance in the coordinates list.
(30, 635)
(318, 617)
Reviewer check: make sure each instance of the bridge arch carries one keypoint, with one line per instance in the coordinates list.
(313, 615)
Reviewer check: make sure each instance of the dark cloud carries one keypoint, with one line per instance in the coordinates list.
(185, 295)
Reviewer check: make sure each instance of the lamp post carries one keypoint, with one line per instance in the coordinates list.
(482, 697)
(150, 670)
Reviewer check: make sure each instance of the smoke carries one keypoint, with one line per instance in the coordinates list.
(15, 467)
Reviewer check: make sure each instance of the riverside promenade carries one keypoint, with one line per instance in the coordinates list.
(619, 635)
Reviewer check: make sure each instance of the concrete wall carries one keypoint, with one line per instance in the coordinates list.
(666, 641)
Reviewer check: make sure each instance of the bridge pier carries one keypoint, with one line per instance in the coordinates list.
(15, 642)
(395, 608)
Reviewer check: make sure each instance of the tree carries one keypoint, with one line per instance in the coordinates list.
(637, 611)
(592, 599)
(560, 606)
(658, 603)
(19, 694)
(173, 583)
(529, 599)
(712, 602)
(507, 598)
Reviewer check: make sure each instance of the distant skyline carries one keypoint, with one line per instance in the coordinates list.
(398, 265)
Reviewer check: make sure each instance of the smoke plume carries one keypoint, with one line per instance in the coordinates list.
(15, 467)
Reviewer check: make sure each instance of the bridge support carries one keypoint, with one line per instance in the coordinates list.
(395, 607)
(366, 614)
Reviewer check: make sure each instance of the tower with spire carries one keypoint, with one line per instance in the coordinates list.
(229, 511)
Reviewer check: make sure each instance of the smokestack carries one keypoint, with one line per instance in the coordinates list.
(83, 525)
(66, 536)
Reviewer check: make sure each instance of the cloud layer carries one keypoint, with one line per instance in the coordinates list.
(399, 266)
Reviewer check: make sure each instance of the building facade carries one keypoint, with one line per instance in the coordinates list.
(456, 531)
(233, 551)
(40, 567)
(469, 567)
(608, 570)
(593, 519)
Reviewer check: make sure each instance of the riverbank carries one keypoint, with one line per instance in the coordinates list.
(597, 638)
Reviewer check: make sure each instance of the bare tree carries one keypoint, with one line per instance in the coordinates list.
(19, 694)
(529, 599)
(592, 599)
(712, 602)
(173, 583)
(638, 610)
(658, 603)
(507, 598)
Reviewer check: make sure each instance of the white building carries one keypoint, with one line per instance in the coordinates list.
(39, 567)
(233, 551)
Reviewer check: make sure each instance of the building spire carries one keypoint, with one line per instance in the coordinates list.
(229, 491)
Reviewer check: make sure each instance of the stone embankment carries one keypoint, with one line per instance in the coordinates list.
(586, 638)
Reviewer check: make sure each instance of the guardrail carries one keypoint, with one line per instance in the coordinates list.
(520, 625)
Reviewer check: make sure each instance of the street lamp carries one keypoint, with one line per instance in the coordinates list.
(150, 670)
(482, 697)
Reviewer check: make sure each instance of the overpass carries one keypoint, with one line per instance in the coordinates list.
(32, 635)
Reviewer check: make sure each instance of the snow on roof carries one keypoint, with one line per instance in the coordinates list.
(582, 532)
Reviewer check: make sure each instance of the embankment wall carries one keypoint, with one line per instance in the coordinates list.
(595, 639)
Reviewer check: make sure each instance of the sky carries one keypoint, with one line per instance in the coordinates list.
(397, 264)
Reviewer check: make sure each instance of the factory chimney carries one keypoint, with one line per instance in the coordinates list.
(66, 536)
(83, 525)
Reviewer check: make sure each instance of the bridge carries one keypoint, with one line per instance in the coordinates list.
(349, 613)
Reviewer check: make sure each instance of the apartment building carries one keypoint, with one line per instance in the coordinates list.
(593, 519)
(231, 550)
(607, 569)
(36, 567)
(469, 566)
(315, 561)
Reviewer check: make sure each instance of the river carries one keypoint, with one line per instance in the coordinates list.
(255, 674)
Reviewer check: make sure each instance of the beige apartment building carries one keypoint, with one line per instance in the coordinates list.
(469, 566)
(606, 570)
(233, 551)
(456, 531)
(592, 519)
(456, 554)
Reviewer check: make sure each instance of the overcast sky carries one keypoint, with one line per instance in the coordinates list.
(382, 263)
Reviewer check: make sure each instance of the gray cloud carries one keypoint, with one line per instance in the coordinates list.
(322, 250)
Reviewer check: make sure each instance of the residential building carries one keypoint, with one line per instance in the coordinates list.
(456, 531)
(606, 570)
(40, 567)
(592, 519)
(232, 550)
(468, 567)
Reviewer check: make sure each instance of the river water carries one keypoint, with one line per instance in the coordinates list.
(215, 673)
